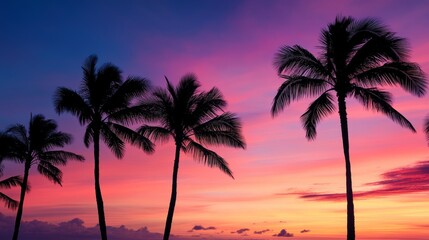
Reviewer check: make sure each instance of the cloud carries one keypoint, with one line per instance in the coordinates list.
(199, 227)
(71, 230)
(262, 231)
(283, 233)
(404, 180)
(305, 231)
(242, 230)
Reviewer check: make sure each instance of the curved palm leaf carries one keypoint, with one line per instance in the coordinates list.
(208, 157)
(408, 75)
(319, 108)
(66, 100)
(8, 201)
(221, 130)
(295, 88)
(380, 101)
(154, 132)
(132, 137)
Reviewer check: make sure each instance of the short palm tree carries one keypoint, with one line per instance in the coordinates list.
(104, 104)
(357, 56)
(37, 146)
(191, 117)
(6, 184)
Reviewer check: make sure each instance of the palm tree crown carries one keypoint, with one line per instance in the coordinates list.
(105, 104)
(357, 56)
(191, 117)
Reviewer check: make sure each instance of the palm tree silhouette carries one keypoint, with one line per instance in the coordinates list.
(37, 146)
(6, 184)
(356, 57)
(191, 118)
(104, 104)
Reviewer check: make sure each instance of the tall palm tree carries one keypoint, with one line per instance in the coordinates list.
(6, 184)
(191, 117)
(104, 104)
(357, 56)
(37, 146)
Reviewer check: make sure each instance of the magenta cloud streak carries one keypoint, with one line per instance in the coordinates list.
(404, 180)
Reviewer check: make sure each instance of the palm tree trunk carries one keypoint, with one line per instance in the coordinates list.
(98, 196)
(349, 189)
(21, 202)
(169, 220)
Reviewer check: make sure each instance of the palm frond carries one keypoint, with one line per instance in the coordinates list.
(9, 202)
(19, 134)
(408, 75)
(187, 88)
(132, 88)
(224, 129)
(132, 137)
(319, 108)
(51, 172)
(294, 88)
(12, 147)
(298, 61)
(11, 182)
(170, 89)
(155, 132)
(113, 142)
(66, 100)
(380, 101)
(89, 76)
(206, 105)
(133, 114)
(208, 157)
(88, 137)
(59, 157)
(376, 51)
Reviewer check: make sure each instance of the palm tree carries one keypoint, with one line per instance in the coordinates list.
(6, 184)
(37, 146)
(191, 118)
(357, 56)
(104, 105)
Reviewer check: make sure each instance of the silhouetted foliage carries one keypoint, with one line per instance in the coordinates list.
(6, 184)
(104, 104)
(36, 146)
(191, 117)
(357, 56)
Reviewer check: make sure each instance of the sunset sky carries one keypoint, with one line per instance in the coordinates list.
(282, 181)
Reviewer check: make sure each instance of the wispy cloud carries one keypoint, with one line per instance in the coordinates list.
(305, 231)
(404, 180)
(241, 230)
(262, 231)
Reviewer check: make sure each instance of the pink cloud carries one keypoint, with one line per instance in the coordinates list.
(399, 181)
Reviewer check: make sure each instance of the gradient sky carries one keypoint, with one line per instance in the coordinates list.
(282, 181)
